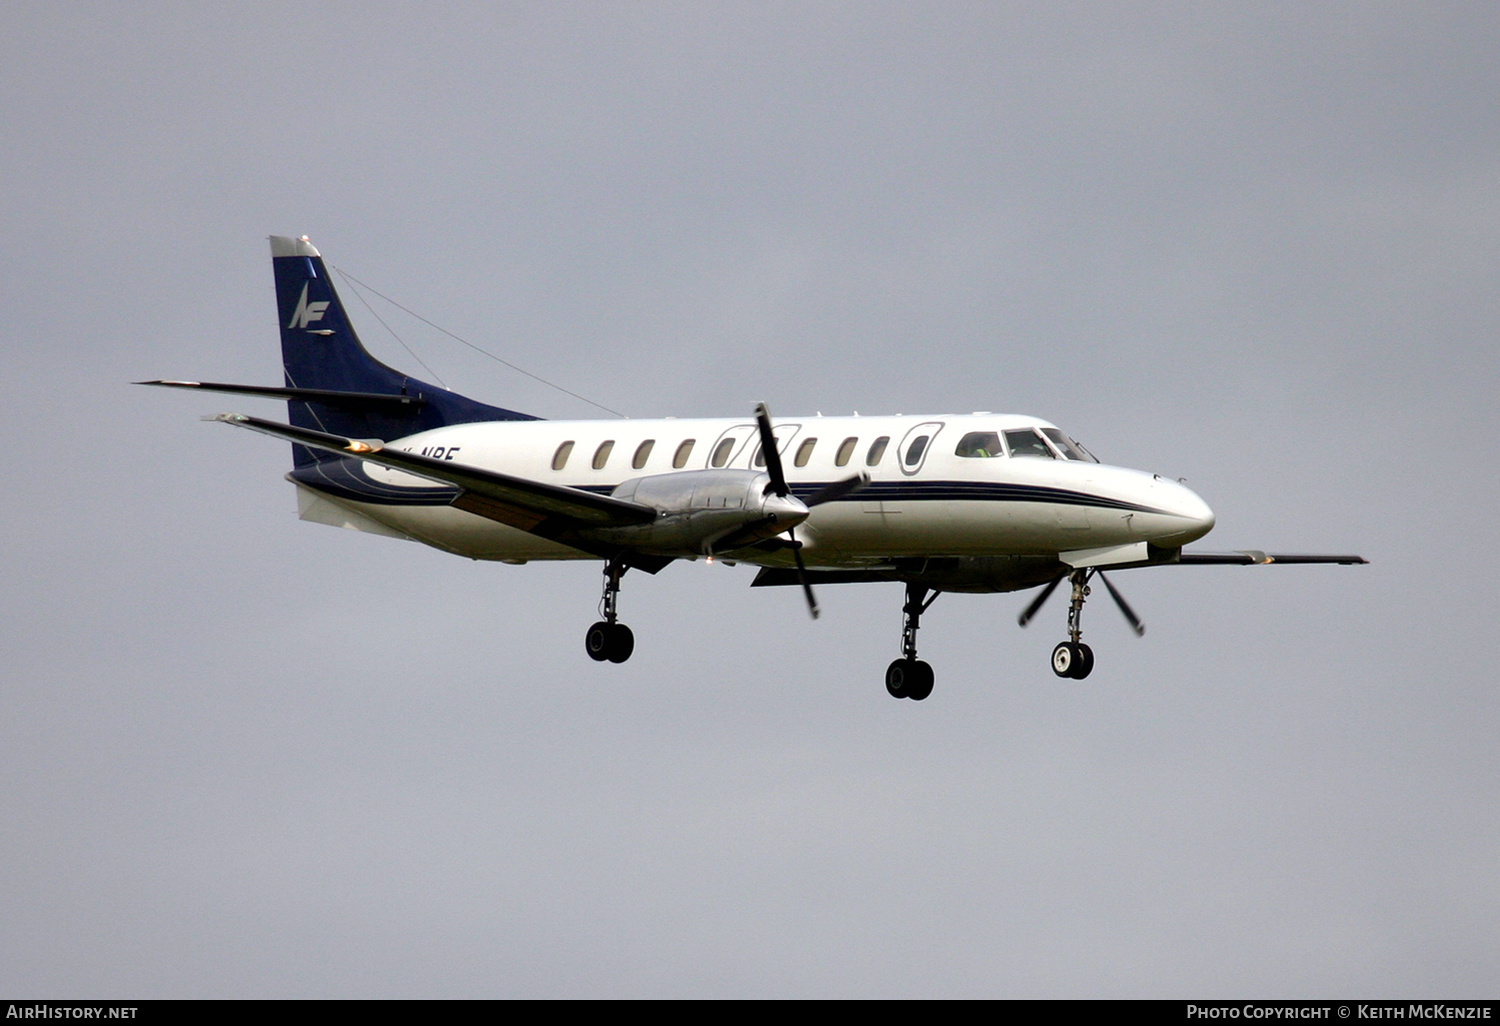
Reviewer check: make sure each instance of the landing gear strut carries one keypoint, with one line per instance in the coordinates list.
(608, 639)
(1073, 658)
(910, 677)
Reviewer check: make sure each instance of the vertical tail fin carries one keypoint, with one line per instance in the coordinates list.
(319, 349)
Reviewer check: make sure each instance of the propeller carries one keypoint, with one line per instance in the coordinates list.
(828, 493)
(768, 451)
(1036, 604)
(1130, 617)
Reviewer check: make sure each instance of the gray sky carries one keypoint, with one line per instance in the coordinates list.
(1252, 246)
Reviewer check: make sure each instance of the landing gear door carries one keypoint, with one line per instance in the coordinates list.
(915, 445)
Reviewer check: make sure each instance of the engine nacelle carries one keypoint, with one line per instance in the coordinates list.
(704, 511)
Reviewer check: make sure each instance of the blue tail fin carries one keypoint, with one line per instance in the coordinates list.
(319, 350)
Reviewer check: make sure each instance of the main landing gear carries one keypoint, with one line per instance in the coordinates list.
(910, 677)
(608, 639)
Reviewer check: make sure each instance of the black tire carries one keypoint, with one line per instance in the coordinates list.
(898, 678)
(1064, 659)
(596, 642)
(920, 685)
(620, 644)
(1085, 664)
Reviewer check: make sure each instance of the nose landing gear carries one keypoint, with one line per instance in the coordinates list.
(1073, 658)
(608, 639)
(910, 677)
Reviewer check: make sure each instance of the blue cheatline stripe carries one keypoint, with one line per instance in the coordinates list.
(346, 479)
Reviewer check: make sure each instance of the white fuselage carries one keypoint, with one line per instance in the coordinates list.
(923, 499)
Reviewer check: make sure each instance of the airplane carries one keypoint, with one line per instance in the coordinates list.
(977, 502)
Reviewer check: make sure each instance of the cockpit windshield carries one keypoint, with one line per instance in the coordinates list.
(1069, 448)
(1026, 442)
(1046, 443)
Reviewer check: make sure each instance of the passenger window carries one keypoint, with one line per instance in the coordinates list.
(846, 449)
(981, 445)
(1026, 442)
(877, 450)
(804, 452)
(722, 451)
(642, 453)
(560, 458)
(915, 449)
(680, 457)
(601, 454)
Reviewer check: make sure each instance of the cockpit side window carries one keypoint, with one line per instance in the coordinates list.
(1026, 442)
(980, 445)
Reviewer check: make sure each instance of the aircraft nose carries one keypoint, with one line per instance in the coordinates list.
(1186, 504)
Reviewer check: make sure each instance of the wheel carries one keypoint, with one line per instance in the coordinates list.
(620, 644)
(898, 677)
(920, 684)
(596, 641)
(1064, 659)
(1085, 664)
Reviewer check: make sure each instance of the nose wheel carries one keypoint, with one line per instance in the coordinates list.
(1073, 660)
(607, 639)
(910, 677)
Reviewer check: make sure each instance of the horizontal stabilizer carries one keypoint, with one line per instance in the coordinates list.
(324, 396)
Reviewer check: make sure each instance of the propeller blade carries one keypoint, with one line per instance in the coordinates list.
(837, 490)
(1037, 603)
(812, 601)
(1135, 621)
(769, 452)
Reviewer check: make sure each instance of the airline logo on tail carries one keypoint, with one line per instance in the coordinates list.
(306, 312)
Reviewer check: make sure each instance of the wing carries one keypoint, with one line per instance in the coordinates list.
(1251, 557)
(555, 512)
